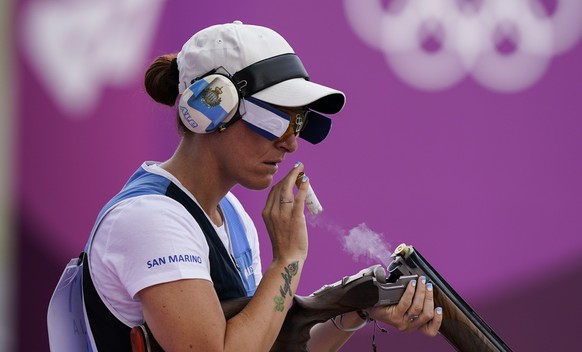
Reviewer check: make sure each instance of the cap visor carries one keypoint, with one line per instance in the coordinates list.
(300, 92)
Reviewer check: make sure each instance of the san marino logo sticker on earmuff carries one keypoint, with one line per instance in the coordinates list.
(211, 97)
(208, 103)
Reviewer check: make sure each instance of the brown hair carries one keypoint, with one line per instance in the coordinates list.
(162, 79)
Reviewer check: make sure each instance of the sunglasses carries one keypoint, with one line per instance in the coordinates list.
(274, 122)
(297, 121)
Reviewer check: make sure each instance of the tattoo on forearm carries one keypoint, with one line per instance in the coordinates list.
(290, 271)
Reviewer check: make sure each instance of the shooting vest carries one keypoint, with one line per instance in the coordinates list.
(78, 320)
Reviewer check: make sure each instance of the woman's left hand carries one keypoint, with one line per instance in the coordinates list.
(415, 311)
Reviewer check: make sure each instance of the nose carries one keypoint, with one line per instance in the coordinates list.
(288, 144)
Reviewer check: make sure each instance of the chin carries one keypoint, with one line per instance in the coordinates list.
(258, 184)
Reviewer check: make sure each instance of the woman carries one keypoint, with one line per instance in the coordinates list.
(175, 241)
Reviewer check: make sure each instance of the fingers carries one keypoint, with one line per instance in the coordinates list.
(421, 313)
(406, 300)
(284, 216)
(288, 183)
(416, 309)
(282, 198)
(429, 321)
(281, 194)
(433, 326)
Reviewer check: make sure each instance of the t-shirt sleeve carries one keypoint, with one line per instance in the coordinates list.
(150, 240)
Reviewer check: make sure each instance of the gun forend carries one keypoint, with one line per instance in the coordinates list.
(462, 326)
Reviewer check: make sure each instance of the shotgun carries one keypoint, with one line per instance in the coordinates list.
(373, 286)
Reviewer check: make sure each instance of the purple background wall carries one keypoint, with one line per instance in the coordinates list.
(485, 183)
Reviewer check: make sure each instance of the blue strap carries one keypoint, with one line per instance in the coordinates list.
(141, 182)
(242, 253)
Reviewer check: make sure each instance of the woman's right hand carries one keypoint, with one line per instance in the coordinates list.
(284, 217)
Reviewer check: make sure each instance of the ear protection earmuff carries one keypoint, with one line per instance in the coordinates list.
(211, 102)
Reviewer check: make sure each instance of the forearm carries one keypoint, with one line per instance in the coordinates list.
(256, 327)
(327, 337)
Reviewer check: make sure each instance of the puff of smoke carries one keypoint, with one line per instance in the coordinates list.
(361, 241)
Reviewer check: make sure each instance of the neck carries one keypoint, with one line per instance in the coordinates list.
(197, 170)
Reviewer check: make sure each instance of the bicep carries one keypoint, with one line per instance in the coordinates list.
(184, 314)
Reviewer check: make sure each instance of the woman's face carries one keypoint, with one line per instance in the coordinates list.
(249, 159)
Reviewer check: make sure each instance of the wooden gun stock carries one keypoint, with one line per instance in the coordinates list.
(461, 326)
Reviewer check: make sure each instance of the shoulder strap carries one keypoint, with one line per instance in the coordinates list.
(241, 249)
(108, 332)
(225, 276)
(140, 183)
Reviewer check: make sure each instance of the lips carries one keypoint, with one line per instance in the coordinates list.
(274, 164)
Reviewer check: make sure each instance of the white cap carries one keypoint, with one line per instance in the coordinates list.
(235, 46)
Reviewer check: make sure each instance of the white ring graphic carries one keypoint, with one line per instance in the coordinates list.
(504, 45)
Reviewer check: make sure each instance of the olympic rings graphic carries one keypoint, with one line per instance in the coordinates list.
(505, 45)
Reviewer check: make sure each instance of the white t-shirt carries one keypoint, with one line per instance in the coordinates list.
(153, 239)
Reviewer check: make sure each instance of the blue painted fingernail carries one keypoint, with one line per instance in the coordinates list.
(439, 310)
(413, 282)
(423, 279)
(429, 286)
(297, 164)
